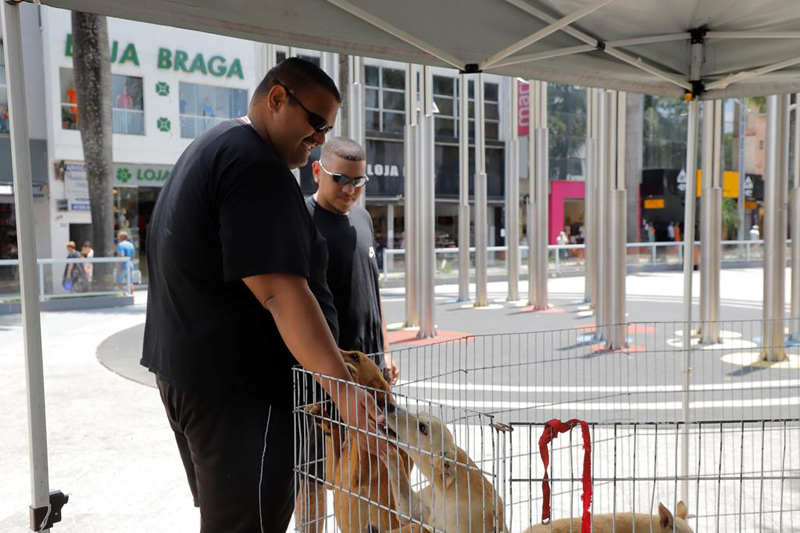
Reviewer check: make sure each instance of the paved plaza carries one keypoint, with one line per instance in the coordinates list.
(111, 449)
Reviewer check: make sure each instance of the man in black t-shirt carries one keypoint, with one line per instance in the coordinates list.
(352, 272)
(237, 296)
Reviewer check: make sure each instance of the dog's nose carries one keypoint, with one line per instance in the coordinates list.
(390, 408)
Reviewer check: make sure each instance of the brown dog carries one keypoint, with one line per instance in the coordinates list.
(663, 523)
(359, 481)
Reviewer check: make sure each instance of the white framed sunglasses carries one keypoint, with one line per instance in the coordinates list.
(342, 179)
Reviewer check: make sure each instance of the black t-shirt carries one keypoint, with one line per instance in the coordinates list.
(353, 276)
(230, 209)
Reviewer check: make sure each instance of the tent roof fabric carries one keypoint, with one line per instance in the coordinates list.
(470, 31)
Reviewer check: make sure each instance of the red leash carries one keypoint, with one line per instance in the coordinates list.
(551, 431)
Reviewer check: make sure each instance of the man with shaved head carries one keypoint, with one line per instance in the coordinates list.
(352, 275)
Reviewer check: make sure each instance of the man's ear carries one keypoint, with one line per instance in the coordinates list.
(276, 97)
(315, 171)
(666, 517)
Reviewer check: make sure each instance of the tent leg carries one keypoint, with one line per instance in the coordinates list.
(463, 191)
(23, 197)
(776, 189)
(512, 200)
(688, 268)
(481, 202)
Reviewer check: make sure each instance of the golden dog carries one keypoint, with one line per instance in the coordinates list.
(663, 523)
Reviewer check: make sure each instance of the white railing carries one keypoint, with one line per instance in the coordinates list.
(128, 121)
(9, 287)
(195, 125)
(570, 257)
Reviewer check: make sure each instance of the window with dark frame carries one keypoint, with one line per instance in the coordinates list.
(385, 105)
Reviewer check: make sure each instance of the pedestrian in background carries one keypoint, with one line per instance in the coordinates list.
(87, 252)
(74, 274)
(126, 249)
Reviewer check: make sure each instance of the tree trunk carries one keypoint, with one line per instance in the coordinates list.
(344, 89)
(92, 68)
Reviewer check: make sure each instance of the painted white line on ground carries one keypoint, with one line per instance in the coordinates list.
(699, 387)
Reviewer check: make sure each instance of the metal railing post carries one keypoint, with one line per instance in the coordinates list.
(653, 253)
(41, 281)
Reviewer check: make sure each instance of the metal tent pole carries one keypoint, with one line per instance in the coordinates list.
(776, 189)
(710, 223)
(794, 213)
(530, 215)
(23, 204)
(427, 208)
(588, 202)
(330, 64)
(688, 268)
(356, 108)
(601, 199)
(742, 174)
(410, 197)
(512, 198)
(542, 184)
(463, 190)
(619, 231)
(481, 207)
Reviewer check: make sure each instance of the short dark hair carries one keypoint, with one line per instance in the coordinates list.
(87, 243)
(296, 75)
(345, 148)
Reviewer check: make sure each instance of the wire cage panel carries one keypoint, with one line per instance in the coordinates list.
(715, 425)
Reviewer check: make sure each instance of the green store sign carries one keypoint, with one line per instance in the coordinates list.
(176, 60)
(140, 175)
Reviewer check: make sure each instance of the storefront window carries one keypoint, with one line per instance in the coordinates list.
(127, 103)
(204, 106)
(445, 96)
(566, 107)
(4, 127)
(664, 127)
(385, 99)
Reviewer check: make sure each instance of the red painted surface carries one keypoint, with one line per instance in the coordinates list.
(561, 190)
(531, 309)
(409, 337)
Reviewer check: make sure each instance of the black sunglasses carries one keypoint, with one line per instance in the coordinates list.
(319, 124)
(341, 179)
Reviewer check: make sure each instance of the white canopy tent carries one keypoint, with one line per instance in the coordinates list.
(699, 48)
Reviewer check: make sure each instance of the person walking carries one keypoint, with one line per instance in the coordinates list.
(74, 279)
(353, 278)
(124, 272)
(671, 231)
(237, 298)
(88, 253)
(562, 240)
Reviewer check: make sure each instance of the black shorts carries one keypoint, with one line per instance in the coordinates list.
(238, 452)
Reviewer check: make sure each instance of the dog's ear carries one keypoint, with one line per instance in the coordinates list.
(683, 512)
(665, 516)
(320, 416)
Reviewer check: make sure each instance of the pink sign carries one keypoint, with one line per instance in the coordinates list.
(524, 104)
